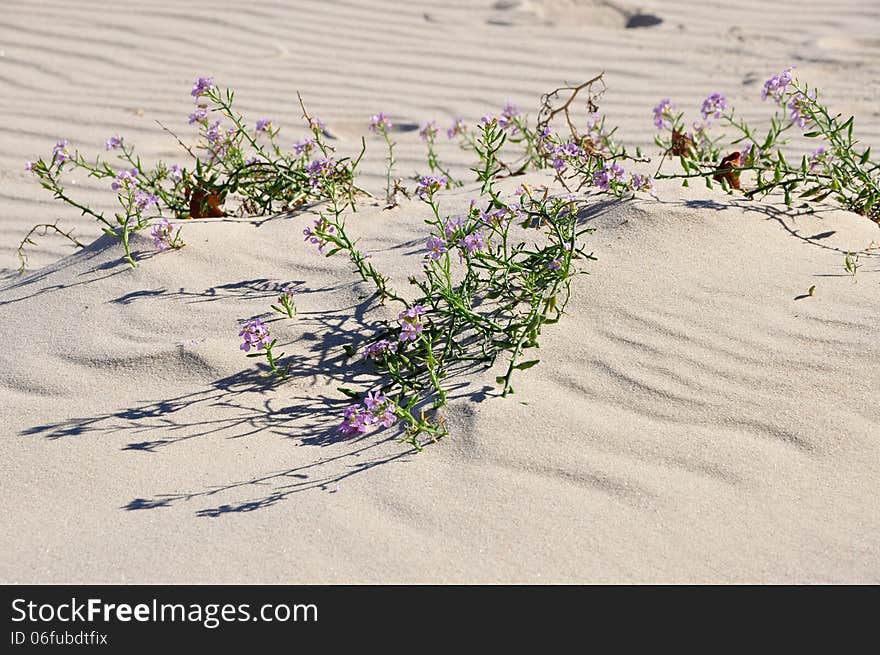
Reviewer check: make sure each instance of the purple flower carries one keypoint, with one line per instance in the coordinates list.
(714, 105)
(264, 125)
(428, 131)
(379, 350)
(436, 248)
(176, 172)
(410, 323)
(163, 234)
(202, 86)
(354, 421)
(472, 243)
(641, 183)
(29, 166)
(200, 115)
(143, 200)
(113, 143)
(508, 116)
(380, 409)
(380, 123)
(320, 168)
(609, 174)
(316, 124)
(565, 152)
(776, 86)
(213, 134)
(663, 116)
(317, 234)
(61, 152)
(430, 184)
(543, 136)
(554, 264)
(377, 409)
(750, 151)
(497, 216)
(124, 180)
(798, 108)
(304, 147)
(458, 128)
(817, 158)
(255, 334)
(453, 226)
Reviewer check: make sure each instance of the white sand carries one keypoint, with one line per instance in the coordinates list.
(690, 420)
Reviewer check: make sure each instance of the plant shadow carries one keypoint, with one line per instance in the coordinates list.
(306, 408)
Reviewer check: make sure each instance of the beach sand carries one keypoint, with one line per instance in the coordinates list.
(694, 418)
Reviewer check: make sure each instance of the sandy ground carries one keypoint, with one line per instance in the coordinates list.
(690, 421)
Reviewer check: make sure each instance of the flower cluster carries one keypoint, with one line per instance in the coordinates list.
(124, 180)
(642, 183)
(144, 199)
(379, 350)
(165, 236)
(410, 323)
(453, 225)
(507, 119)
(202, 86)
(607, 176)
(499, 215)
(113, 143)
(818, 158)
(472, 243)
(304, 147)
(316, 234)
(377, 409)
(714, 106)
(219, 141)
(797, 107)
(380, 123)
(319, 170)
(199, 115)
(255, 334)
(428, 131)
(430, 184)
(61, 152)
(264, 125)
(458, 128)
(776, 86)
(663, 114)
(565, 153)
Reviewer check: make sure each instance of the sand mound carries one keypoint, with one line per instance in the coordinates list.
(695, 416)
(691, 419)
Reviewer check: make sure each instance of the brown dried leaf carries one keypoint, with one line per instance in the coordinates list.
(682, 144)
(205, 204)
(725, 170)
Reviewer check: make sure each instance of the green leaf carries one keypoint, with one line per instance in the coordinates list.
(526, 365)
(500, 379)
(349, 350)
(348, 392)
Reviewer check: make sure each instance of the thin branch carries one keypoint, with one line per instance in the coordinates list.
(46, 227)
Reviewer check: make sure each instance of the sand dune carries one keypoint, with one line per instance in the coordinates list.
(694, 417)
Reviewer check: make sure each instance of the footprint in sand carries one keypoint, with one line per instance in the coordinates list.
(602, 13)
